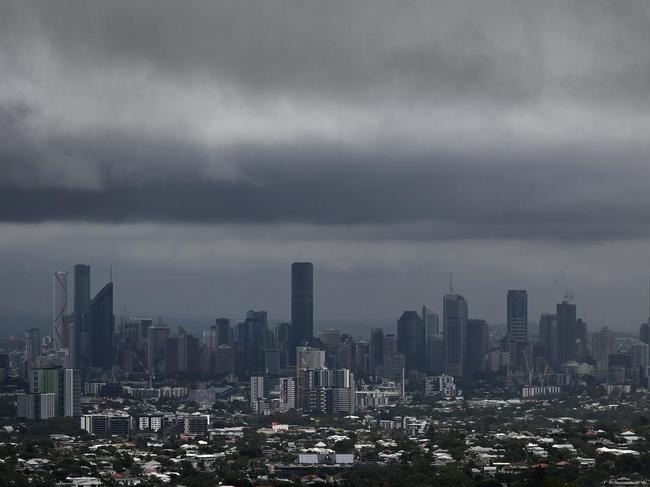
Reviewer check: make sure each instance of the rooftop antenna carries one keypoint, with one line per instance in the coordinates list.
(451, 288)
(111, 273)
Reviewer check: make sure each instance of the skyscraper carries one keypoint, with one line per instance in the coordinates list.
(302, 305)
(548, 337)
(157, 348)
(376, 352)
(32, 344)
(517, 315)
(411, 340)
(602, 346)
(101, 325)
(287, 389)
(222, 326)
(81, 304)
(390, 350)
(306, 358)
(567, 331)
(60, 309)
(210, 339)
(581, 339)
(330, 340)
(283, 340)
(250, 343)
(644, 333)
(71, 393)
(455, 333)
(477, 346)
(432, 334)
(431, 321)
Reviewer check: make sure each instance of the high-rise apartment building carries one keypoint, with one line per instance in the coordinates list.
(63, 384)
(32, 345)
(306, 358)
(310, 358)
(71, 393)
(602, 346)
(517, 315)
(287, 389)
(259, 389)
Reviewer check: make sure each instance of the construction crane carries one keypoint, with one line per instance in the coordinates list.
(542, 376)
(567, 294)
(528, 369)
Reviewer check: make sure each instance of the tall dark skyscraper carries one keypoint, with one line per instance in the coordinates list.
(455, 333)
(567, 331)
(517, 315)
(101, 328)
(283, 340)
(81, 305)
(250, 343)
(548, 337)
(477, 346)
(376, 352)
(223, 332)
(411, 340)
(302, 305)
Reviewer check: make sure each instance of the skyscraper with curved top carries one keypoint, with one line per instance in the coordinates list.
(302, 305)
(102, 326)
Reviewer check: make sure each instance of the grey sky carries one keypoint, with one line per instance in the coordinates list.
(201, 147)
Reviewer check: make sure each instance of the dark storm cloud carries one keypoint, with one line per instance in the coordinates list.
(199, 147)
(454, 119)
(563, 193)
(332, 50)
(494, 51)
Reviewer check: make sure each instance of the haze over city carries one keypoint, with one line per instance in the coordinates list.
(500, 141)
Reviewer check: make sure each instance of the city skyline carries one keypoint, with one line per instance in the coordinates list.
(356, 327)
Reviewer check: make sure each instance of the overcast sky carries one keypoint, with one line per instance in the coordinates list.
(201, 147)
